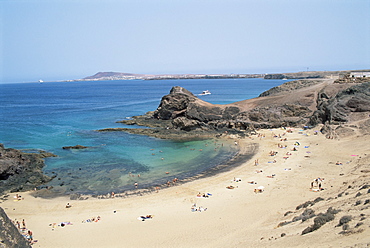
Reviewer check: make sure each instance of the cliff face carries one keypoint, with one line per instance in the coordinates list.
(297, 103)
(188, 112)
(9, 234)
(349, 105)
(21, 171)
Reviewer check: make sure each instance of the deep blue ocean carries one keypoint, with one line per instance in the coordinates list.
(48, 116)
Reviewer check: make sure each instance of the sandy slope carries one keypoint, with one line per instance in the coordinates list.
(234, 217)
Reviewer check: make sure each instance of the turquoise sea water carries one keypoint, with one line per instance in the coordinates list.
(51, 115)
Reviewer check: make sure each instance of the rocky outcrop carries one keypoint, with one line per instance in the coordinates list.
(9, 234)
(21, 171)
(296, 103)
(349, 105)
(182, 111)
(188, 112)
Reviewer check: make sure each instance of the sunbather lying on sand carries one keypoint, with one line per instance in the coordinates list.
(146, 217)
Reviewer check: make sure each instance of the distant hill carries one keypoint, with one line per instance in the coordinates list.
(112, 75)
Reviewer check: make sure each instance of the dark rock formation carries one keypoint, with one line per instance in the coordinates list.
(188, 112)
(348, 105)
(74, 147)
(10, 237)
(297, 103)
(21, 171)
(182, 111)
(275, 76)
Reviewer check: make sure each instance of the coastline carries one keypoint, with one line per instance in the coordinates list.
(243, 153)
(234, 217)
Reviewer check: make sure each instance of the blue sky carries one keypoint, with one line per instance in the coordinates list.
(65, 39)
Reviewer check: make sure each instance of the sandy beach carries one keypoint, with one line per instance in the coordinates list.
(234, 216)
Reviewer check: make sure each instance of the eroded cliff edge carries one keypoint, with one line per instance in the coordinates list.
(10, 237)
(338, 106)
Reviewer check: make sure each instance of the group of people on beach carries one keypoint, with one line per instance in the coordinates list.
(316, 184)
(24, 231)
(18, 197)
(273, 153)
(282, 146)
(194, 208)
(93, 219)
(204, 195)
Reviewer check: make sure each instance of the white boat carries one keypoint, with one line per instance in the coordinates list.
(206, 92)
(41, 81)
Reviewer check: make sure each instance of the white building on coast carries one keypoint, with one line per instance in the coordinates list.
(359, 74)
